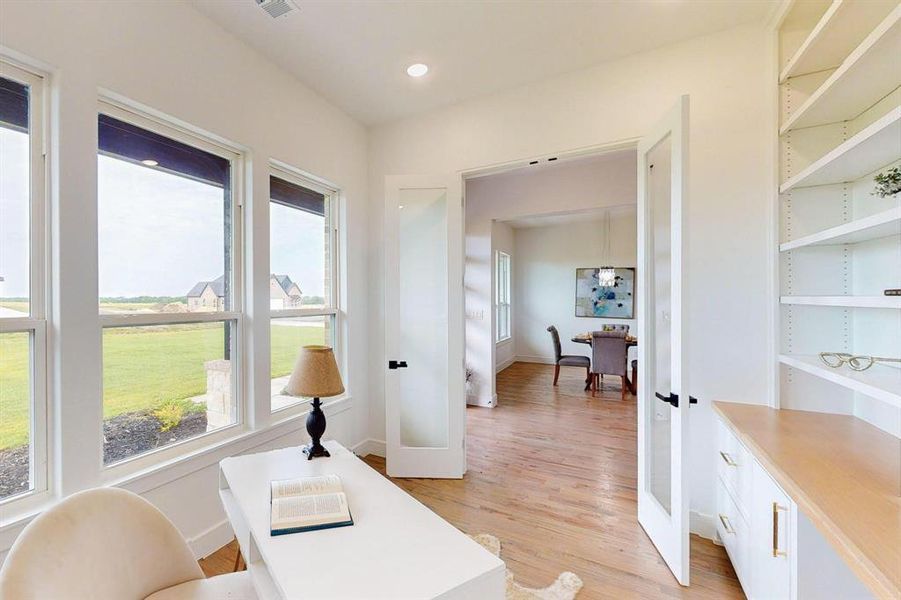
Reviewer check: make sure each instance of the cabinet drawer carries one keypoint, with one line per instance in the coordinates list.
(734, 532)
(734, 467)
(772, 536)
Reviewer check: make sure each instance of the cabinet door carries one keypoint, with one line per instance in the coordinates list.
(771, 524)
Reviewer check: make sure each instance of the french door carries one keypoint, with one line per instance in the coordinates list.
(425, 400)
(663, 391)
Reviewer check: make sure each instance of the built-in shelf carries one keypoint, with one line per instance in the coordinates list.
(845, 301)
(841, 28)
(874, 147)
(865, 77)
(879, 381)
(874, 227)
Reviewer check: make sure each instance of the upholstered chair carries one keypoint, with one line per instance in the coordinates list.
(567, 360)
(609, 356)
(110, 544)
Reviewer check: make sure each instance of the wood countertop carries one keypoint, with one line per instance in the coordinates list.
(843, 473)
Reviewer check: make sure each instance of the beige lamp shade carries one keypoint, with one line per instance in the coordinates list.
(316, 374)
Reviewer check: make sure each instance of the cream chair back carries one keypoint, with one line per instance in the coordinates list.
(101, 544)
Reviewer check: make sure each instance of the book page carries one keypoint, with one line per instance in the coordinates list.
(306, 511)
(306, 486)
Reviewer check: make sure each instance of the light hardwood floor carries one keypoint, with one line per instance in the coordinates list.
(552, 473)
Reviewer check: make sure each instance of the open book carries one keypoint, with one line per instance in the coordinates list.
(308, 503)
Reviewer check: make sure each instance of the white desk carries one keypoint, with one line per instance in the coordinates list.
(397, 548)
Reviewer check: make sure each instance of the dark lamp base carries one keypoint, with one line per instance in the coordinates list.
(315, 427)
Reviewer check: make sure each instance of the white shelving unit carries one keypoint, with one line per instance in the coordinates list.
(840, 245)
(844, 301)
(880, 382)
(867, 75)
(842, 27)
(876, 146)
(873, 227)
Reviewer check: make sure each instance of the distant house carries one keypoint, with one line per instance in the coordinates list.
(283, 293)
(210, 295)
(207, 296)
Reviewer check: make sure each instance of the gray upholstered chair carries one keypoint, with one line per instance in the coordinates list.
(567, 360)
(609, 356)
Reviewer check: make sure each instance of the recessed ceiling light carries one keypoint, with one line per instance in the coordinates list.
(149, 162)
(417, 70)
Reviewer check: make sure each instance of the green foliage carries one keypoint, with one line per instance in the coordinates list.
(171, 412)
(313, 300)
(888, 183)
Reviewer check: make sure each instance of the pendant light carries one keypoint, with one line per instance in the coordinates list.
(606, 274)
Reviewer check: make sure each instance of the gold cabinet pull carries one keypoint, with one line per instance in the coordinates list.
(726, 525)
(728, 459)
(776, 551)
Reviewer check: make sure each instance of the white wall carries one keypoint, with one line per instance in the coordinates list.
(545, 280)
(168, 57)
(548, 189)
(728, 76)
(502, 240)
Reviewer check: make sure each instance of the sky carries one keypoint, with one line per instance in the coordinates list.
(159, 234)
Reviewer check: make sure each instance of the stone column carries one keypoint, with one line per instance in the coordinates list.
(220, 406)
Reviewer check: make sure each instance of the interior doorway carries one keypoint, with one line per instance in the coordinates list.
(536, 238)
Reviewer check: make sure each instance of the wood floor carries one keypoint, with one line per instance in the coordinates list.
(552, 473)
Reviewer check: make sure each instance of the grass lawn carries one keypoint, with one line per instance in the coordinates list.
(142, 367)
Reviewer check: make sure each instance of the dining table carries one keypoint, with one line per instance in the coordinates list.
(631, 342)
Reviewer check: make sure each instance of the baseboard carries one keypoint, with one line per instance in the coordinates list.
(504, 364)
(702, 525)
(212, 539)
(542, 360)
(369, 446)
(478, 401)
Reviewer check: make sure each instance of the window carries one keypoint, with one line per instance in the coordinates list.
(23, 311)
(502, 296)
(302, 288)
(169, 297)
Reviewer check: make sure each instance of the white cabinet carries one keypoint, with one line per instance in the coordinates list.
(777, 552)
(772, 528)
(754, 521)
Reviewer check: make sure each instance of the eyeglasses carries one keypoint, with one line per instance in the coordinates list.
(855, 362)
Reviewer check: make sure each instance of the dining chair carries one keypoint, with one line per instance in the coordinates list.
(567, 360)
(110, 544)
(609, 356)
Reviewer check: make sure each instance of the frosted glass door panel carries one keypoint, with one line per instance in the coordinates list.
(423, 325)
(659, 418)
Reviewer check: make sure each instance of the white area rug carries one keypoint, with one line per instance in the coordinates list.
(565, 588)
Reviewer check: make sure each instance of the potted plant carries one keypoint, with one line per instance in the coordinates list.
(888, 183)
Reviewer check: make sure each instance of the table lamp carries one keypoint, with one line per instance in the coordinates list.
(315, 376)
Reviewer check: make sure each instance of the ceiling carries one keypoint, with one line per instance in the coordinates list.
(580, 216)
(355, 52)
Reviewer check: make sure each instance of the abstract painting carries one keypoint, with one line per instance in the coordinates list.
(611, 302)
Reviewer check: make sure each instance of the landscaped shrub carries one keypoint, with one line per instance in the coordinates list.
(171, 412)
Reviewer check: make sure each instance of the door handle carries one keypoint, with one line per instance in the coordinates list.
(674, 399)
(776, 551)
(397, 364)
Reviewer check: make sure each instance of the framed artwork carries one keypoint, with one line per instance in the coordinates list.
(611, 302)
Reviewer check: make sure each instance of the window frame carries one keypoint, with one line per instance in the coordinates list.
(172, 129)
(36, 323)
(332, 195)
(502, 286)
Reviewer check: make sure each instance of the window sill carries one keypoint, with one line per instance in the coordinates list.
(505, 340)
(164, 472)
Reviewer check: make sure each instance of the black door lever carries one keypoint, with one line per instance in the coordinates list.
(674, 399)
(397, 364)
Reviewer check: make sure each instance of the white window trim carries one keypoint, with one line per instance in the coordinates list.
(497, 297)
(298, 177)
(36, 323)
(116, 108)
